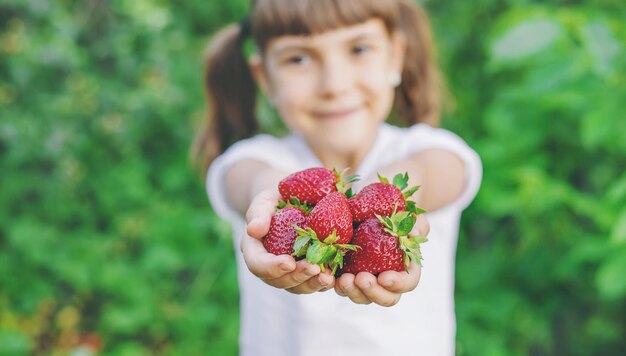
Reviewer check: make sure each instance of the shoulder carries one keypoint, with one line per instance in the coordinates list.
(276, 151)
(423, 131)
(419, 137)
(261, 142)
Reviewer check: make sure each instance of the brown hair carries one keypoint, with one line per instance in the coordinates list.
(232, 93)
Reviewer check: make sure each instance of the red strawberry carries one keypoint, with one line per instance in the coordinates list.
(332, 215)
(385, 245)
(330, 229)
(382, 198)
(282, 234)
(311, 185)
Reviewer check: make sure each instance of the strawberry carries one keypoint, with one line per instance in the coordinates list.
(381, 198)
(330, 229)
(311, 185)
(385, 245)
(282, 233)
(331, 216)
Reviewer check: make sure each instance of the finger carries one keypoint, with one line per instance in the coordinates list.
(401, 282)
(339, 292)
(323, 282)
(346, 287)
(341, 284)
(310, 286)
(260, 213)
(262, 263)
(303, 272)
(327, 280)
(422, 226)
(338, 288)
(367, 283)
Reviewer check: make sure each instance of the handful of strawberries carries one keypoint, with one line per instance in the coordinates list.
(321, 221)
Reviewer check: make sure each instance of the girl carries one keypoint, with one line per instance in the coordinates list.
(335, 71)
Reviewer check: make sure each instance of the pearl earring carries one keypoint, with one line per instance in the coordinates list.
(395, 79)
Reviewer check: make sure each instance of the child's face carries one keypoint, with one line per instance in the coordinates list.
(333, 87)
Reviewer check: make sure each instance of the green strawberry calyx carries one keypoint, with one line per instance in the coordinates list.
(323, 253)
(343, 181)
(293, 201)
(400, 225)
(401, 181)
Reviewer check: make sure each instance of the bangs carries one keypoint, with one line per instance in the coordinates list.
(274, 18)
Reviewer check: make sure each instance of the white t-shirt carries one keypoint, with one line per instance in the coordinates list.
(275, 322)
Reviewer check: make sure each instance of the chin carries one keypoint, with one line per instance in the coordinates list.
(350, 141)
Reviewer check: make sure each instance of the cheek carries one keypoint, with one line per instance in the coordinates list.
(290, 92)
(377, 78)
(381, 95)
(290, 102)
(288, 112)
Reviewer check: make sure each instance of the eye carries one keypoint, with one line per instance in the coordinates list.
(360, 49)
(297, 59)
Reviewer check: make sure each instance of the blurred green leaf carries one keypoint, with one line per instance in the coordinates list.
(14, 343)
(610, 279)
(618, 233)
(602, 45)
(525, 39)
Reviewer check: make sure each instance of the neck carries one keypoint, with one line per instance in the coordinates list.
(350, 161)
(343, 159)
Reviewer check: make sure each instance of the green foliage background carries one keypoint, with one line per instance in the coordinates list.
(106, 236)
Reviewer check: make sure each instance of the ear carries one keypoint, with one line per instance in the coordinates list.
(257, 68)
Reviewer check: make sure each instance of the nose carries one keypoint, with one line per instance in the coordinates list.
(336, 77)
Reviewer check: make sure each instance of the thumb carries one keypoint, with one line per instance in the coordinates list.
(260, 213)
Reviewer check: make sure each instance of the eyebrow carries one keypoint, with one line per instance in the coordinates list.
(307, 46)
(290, 47)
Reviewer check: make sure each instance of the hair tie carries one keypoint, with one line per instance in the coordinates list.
(245, 28)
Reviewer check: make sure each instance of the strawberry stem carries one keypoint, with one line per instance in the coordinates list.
(323, 253)
(343, 181)
(410, 246)
(401, 181)
(293, 201)
(400, 225)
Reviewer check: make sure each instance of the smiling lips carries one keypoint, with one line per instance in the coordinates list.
(335, 114)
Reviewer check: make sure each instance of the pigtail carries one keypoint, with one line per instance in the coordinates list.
(231, 95)
(418, 98)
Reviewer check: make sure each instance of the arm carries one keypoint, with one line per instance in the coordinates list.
(440, 173)
(246, 179)
(251, 187)
(442, 176)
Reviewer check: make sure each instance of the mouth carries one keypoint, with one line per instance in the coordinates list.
(335, 114)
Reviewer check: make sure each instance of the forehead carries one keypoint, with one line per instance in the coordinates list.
(373, 29)
(274, 18)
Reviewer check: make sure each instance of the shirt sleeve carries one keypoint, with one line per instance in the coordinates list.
(422, 137)
(263, 148)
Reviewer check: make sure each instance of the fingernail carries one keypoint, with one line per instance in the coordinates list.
(367, 285)
(253, 221)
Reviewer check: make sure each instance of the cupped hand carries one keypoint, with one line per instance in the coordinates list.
(280, 271)
(386, 289)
